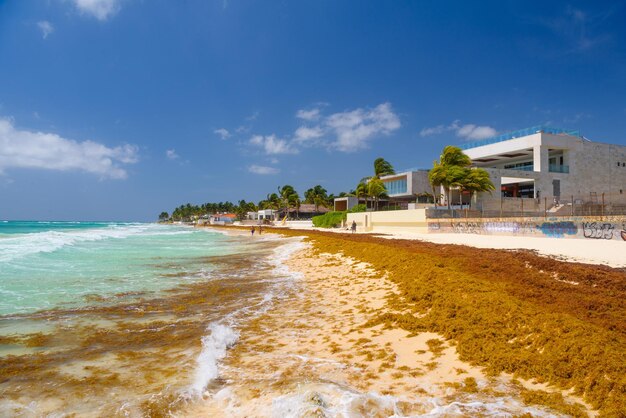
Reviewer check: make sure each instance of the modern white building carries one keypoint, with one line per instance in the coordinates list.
(407, 186)
(545, 162)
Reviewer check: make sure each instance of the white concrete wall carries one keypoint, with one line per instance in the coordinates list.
(393, 221)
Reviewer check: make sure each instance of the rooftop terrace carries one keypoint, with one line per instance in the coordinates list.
(519, 133)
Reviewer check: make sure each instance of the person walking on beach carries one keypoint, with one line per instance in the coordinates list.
(260, 229)
(252, 231)
(353, 227)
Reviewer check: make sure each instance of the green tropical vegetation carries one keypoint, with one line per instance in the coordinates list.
(453, 170)
(317, 196)
(329, 219)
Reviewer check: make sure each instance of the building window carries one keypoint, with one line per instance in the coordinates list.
(396, 187)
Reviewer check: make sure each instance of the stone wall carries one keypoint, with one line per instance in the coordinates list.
(606, 228)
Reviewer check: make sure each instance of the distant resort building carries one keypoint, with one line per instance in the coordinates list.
(304, 211)
(540, 167)
(550, 164)
(222, 219)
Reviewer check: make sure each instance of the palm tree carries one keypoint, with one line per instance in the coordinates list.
(476, 180)
(294, 202)
(376, 189)
(316, 195)
(454, 156)
(449, 171)
(285, 193)
(361, 191)
(382, 168)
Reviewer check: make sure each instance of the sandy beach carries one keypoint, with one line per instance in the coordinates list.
(610, 253)
(316, 354)
(343, 345)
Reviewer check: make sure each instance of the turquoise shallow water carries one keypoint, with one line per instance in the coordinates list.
(46, 265)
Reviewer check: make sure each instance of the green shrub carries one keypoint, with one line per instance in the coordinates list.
(329, 219)
(358, 208)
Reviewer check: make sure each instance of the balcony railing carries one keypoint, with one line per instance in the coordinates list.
(522, 132)
(522, 168)
(558, 168)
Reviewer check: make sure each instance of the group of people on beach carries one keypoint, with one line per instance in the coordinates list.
(253, 229)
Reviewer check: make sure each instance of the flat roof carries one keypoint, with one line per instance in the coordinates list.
(520, 133)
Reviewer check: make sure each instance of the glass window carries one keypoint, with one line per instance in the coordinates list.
(395, 187)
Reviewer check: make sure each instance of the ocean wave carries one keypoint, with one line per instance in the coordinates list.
(214, 347)
(19, 246)
(222, 337)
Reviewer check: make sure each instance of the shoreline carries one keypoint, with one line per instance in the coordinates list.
(395, 322)
(495, 285)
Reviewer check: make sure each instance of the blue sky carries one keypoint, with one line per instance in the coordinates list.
(119, 109)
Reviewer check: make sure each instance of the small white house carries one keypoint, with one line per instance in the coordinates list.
(266, 214)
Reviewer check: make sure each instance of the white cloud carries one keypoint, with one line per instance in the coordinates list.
(353, 129)
(305, 134)
(253, 116)
(308, 114)
(39, 150)
(468, 131)
(435, 130)
(171, 154)
(259, 169)
(223, 133)
(271, 144)
(46, 28)
(347, 131)
(100, 9)
(474, 132)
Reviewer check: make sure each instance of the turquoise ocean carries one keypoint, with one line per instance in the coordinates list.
(125, 319)
(46, 265)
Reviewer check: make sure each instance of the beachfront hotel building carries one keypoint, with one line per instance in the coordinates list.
(546, 163)
(407, 186)
(535, 169)
(402, 188)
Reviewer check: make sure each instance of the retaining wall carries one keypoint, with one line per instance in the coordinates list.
(583, 227)
(412, 220)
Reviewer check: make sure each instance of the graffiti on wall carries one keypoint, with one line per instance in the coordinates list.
(508, 227)
(598, 230)
(434, 226)
(466, 227)
(558, 229)
(606, 229)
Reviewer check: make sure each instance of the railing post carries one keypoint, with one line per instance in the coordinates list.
(500, 207)
(522, 201)
(572, 205)
(602, 208)
(545, 207)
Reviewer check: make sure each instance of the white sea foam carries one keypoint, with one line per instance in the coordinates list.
(214, 347)
(14, 247)
(222, 337)
(332, 400)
